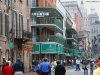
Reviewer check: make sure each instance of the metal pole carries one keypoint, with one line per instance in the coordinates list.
(12, 20)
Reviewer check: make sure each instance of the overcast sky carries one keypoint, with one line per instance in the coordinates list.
(89, 4)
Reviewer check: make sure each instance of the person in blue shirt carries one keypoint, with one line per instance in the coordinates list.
(45, 67)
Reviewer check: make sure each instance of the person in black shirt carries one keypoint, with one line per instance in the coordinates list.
(60, 69)
(18, 67)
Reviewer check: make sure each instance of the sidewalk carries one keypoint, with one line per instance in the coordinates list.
(31, 73)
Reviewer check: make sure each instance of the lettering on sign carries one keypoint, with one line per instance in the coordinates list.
(40, 14)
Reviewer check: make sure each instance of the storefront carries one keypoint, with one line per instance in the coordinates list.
(50, 50)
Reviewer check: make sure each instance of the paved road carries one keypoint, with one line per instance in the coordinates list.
(69, 71)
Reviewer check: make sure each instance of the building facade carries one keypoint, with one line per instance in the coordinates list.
(73, 8)
(94, 31)
(47, 28)
(15, 30)
(93, 24)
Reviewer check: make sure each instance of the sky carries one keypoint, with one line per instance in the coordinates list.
(88, 4)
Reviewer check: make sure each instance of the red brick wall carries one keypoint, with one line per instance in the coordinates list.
(51, 3)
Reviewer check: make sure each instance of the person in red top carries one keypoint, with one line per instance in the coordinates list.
(7, 70)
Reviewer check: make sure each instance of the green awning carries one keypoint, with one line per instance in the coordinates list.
(48, 48)
(76, 53)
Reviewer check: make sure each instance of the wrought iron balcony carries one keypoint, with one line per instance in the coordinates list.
(49, 38)
(72, 37)
(49, 22)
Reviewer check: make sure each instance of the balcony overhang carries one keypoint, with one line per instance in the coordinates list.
(50, 10)
(71, 30)
(50, 26)
(72, 39)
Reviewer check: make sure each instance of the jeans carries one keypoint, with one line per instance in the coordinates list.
(85, 71)
(77, 66)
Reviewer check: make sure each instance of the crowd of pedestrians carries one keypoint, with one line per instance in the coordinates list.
(12, 69)
(45, 67)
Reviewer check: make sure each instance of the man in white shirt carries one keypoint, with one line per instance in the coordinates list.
(77, 64)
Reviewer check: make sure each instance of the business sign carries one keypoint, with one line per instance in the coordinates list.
(10, 45)
(60, 49)
(27, 46)
(27, 35)
(36, 49)
(48, 48)
(40, 13)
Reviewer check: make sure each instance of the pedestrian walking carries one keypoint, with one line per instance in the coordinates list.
(60, 69)
(54, 64)
(9, 62)
(3, 63)
(78, 64)
(35, 64)
(7, 69)
(97, 70)
(85, 65)
(18, 67)
(45, 67)
(91, 67)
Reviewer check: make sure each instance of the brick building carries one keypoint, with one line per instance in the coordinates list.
(15, 30)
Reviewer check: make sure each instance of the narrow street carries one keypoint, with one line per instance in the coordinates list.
(69, 71)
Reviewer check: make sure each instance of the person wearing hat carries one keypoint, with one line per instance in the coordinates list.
(45, 67)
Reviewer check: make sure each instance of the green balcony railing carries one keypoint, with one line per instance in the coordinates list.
(49, 38)
(56, 39)
(52, 21)
(73, 36)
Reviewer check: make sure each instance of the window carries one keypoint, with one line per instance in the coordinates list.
(7, 2)
(6, 25)
(15, 24)
(20, 25)
(27, 2)
(35, 3)
(1, 29)
(27, 24)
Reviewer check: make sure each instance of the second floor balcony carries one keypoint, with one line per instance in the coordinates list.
(49, 38)
(47, 17)
(72, 37)
(56, 24)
